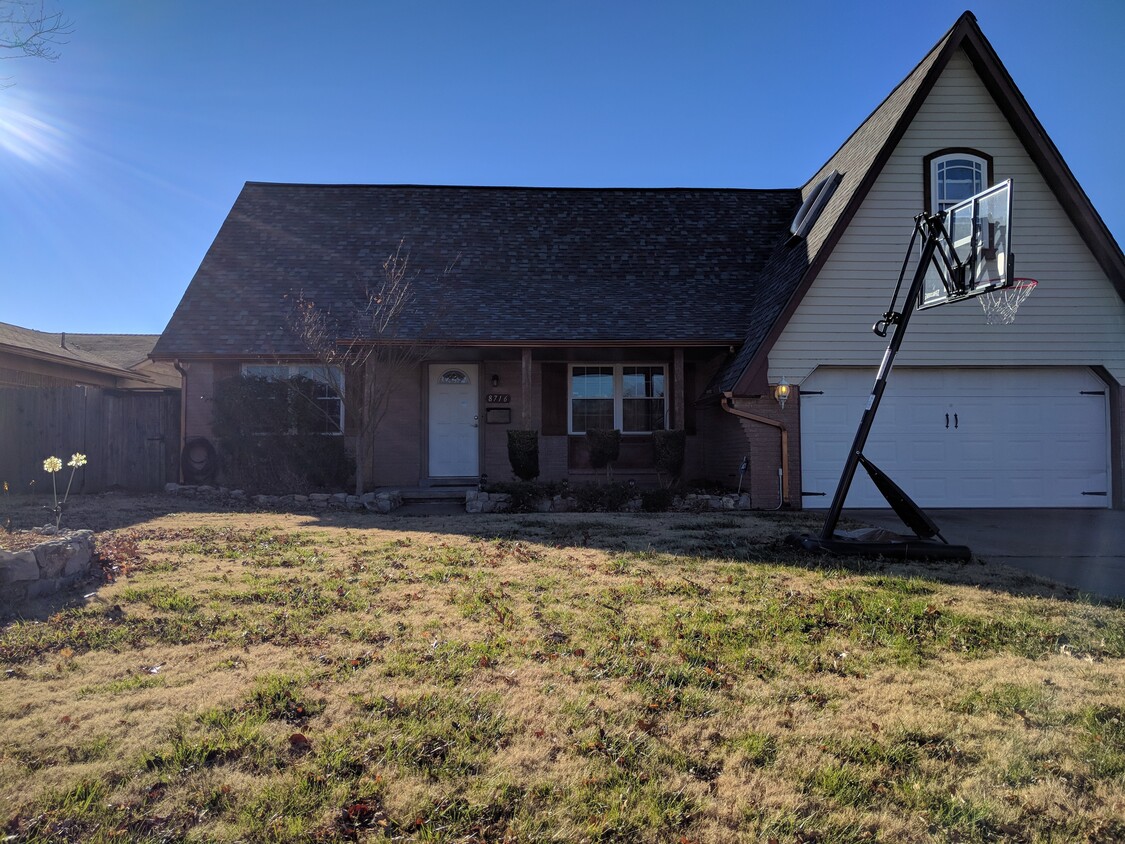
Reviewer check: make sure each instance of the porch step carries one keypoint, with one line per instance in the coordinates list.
(433, 493)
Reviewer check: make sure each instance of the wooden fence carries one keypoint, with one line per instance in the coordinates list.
(131, 439)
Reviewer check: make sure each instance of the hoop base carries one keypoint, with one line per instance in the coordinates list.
(902, 548)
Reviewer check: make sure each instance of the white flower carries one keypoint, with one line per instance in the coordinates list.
(52, 465)
(77, 460)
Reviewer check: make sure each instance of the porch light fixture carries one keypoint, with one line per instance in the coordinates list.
(781, 392)
(495, 380)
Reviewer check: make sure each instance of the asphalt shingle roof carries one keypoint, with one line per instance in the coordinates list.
(104, 352)
(527, 265)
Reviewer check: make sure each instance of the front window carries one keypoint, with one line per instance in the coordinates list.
(323, 386)
(955, 176)
(629, 398)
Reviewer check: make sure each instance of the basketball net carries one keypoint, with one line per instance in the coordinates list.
(1000, 306)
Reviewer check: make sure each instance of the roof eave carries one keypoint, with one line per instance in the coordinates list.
(446, 343)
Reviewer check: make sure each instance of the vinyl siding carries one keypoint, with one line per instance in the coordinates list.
(1075, 316)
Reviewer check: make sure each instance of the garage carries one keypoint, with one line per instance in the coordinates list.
(965, 437)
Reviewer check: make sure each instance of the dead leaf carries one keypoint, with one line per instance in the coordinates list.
(298, 741)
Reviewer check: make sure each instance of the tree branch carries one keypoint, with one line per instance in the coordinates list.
(28, 31)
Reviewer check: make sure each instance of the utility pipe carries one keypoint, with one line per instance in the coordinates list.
(180, 368)
(727, 404)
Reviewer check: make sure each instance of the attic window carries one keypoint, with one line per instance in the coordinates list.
(812, 206)
(952, 175)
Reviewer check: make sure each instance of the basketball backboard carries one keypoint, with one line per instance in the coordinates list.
(973, 255)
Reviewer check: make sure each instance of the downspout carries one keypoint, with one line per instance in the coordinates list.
(183, 420)
(727, 404)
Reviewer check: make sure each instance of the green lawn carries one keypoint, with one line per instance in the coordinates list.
(648, 678)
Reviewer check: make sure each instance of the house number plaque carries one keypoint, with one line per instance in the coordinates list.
(499, 398)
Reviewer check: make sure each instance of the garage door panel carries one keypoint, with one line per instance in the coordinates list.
(986, 437)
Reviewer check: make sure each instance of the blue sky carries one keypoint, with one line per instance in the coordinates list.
(119, 161)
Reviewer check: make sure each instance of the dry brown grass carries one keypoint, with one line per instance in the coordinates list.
(554, 678)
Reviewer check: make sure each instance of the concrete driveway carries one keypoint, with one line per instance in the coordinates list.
(1080, 548)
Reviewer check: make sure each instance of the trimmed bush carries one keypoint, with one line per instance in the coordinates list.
(523, 453)
(668, 452)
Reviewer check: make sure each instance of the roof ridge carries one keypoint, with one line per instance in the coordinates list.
(528, 188)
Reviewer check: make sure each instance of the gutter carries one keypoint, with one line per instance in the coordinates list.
(727, 404)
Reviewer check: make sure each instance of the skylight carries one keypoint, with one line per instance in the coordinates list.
(812, 206)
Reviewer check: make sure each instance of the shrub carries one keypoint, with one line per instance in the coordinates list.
(656, 500)
(525, 495)
(668, 452)
(605, 446)
(601, 498)
(523, 454)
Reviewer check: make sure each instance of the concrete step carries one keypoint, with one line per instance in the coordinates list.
(433, 493)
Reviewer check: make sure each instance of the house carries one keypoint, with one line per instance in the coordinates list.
(560, 310)
(42, 359)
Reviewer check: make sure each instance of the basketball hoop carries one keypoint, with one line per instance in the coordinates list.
(1000, 305)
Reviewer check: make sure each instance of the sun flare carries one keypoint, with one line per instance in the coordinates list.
(26, 133)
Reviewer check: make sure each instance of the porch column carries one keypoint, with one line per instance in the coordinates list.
(678, 389)
(525, 385)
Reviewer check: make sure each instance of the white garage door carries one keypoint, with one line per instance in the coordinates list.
(1027, 437)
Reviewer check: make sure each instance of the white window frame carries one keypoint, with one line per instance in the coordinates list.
(938, 204)
(325, 375)
(618, 394)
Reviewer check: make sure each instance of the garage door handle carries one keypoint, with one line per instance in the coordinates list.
(956, 424)
(947, 420)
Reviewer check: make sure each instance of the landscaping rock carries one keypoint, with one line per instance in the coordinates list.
(15, 567)
(383, 502)
(46, 568)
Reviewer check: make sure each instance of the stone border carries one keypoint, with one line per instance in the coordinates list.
(52, 565)
(386, 501)
(377, 502)
(501, 502)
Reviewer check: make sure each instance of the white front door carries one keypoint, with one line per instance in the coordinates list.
(964, 437)
(454, 444)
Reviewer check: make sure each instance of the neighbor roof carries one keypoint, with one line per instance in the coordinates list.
(64, 348)
(525, 265)
(124, 350)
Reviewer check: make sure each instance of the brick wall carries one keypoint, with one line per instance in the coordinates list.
(727, 439)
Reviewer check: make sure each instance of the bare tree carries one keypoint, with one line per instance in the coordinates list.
(370, 344)
(28, 30)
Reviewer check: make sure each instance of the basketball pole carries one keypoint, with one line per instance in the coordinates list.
(933, 231)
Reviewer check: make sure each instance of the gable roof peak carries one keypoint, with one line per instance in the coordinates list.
(861, 159)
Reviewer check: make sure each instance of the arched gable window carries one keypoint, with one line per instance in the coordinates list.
(951, 175)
